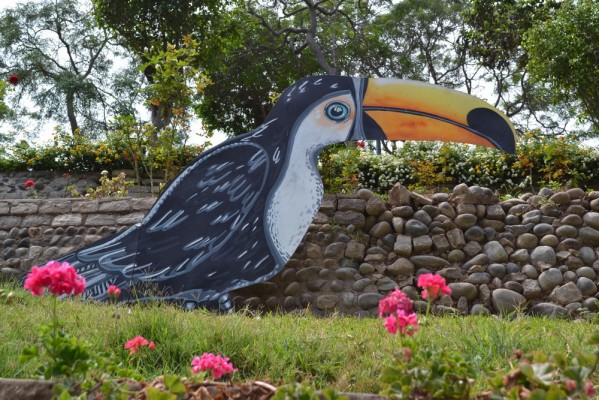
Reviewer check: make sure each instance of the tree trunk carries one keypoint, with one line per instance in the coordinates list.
(70, 100)
(160, 114)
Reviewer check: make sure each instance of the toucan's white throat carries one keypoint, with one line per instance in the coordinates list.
(297, 195)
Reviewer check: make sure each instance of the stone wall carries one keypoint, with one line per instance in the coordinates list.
(34, 231)
(538, 253)
(52, 184)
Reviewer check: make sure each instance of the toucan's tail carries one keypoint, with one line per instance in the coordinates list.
(109, 261)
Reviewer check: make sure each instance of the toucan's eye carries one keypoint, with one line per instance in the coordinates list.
(337, 111)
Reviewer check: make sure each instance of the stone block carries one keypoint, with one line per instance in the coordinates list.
(356, 205)
(55, 207)
(403, 246)
(24, 209)
(85, 206)
(36, 220)
(115, 206)
(100, 220)
(67, 220)
(9, 222)
(355, 251)
(142, 204)
(349, 218)
(130, 219)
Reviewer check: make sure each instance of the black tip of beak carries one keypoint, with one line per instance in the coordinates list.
(492, 127)
(372, 130)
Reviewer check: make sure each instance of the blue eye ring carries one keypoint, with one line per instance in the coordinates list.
(337, 111)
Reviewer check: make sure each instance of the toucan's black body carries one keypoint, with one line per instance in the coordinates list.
(235, 215)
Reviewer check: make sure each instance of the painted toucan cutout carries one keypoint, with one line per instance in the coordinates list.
(238, 212)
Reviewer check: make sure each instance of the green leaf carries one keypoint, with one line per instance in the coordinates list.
(155, 394)
(29, 353)
(174, 384)
(556, 393)
(538, 394)
(543, 373)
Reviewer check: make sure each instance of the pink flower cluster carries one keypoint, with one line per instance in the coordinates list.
(433, 286)
(135, 344)
(59, 278)
(398, 311)
(113, 292)
(218, 365)
(29, 183)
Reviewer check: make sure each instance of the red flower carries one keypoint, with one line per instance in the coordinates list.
(589, 389)
(59, 278)
(218, 365)
(135, 344)
(361, 144)
(29, 183)
(13, 80)
(434, 286)
(113, 291)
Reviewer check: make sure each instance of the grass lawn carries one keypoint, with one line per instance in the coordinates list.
(344, 352)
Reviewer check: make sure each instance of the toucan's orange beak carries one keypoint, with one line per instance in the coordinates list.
(396, 109)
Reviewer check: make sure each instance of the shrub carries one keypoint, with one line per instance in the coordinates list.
(539, 161)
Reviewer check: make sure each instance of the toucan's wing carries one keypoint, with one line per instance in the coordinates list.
(217, 197)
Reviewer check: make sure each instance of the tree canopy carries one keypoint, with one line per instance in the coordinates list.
(563, 53)
(150, 26)
(533, 59)
(61, 59)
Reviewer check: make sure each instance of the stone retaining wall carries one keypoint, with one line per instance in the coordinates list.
(52, 184)
(538, 253)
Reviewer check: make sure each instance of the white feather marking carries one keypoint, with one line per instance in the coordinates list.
(260, 262)
(277, 156)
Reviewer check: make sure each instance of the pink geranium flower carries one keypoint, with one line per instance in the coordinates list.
(13, 80)
(396, 300)
(433, 286)
(137, 343)
(218, 365)
(406, 324)
(113, 292)
(59, 278)
(29, 183)
(398, 311)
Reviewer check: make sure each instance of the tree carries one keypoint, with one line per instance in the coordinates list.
(62, 59)
(248, 72)
(280, 42)
(149, 26)
(563, 53)
(335, 32)
(425, 42)
(494, 35)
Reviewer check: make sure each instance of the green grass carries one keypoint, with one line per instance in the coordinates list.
(344, 352)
